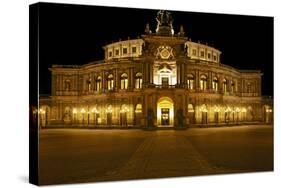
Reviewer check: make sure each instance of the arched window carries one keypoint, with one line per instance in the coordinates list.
(138, 78)
(110, 82)
(203, 82)
(232, 86)
(67, 85)
(224, 85)
(215, 84)
(190, 81)
(98, 83)
(138, 108)
(124, 81)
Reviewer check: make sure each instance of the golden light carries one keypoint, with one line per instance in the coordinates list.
(237, 109)
(228, 109)
(138, 108)
(35, 111)
(94, 110)
(268, 110)
(217, 109)
(244, 110)
(41, 111)
(203, 109)
(109, 109)
(83, 110)
(74, 111)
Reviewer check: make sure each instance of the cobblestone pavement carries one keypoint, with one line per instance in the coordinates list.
(137, 154)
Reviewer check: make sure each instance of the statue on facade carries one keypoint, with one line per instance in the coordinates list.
(164, 20)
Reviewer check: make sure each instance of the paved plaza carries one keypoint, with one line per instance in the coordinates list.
(82, 155)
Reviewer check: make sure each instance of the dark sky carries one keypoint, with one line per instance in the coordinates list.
(74, 34)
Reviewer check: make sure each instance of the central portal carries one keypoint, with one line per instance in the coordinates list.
(165, 112)
(165, 117)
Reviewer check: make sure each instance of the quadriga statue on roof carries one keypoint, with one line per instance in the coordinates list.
(164, 18)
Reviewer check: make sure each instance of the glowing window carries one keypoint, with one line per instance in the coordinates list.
(224, 85)
(203, 82)
(190, 81)
(124, 81)
(98, 83)
(110, 82)
(215, 84)
(138, 78)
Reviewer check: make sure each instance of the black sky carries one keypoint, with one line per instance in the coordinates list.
(75, 34)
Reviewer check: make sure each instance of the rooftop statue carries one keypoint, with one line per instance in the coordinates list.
(164, 19)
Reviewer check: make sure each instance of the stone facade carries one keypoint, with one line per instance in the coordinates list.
(160, 79)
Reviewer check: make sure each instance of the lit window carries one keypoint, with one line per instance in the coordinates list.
(232, 87)
(98, 83)
(215, 84)
(203, 82)
(89, 81)
(134, 50)
(124, 81)
(110, 82)
(194, 52)
(138, 108)
(138, 79)
(125, 50)
(224, 85)
(190, 81)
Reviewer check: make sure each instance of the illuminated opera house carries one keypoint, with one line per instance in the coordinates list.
(162, 79)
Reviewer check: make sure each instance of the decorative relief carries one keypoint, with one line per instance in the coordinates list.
(164, 52)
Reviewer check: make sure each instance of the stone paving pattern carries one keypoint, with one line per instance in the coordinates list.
(76, 156)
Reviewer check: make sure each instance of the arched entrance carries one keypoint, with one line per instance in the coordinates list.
(165, 112)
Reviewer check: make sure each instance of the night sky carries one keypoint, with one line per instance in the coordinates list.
(75, 34)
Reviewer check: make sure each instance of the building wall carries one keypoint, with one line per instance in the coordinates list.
(76, 99)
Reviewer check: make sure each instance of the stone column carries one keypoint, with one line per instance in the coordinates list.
(103, 80)
(150, 72)
(178, 73)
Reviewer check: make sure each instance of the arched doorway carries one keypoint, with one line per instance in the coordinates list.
(191, 114)
(204, 114)
(138, 114)
(165, 112)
